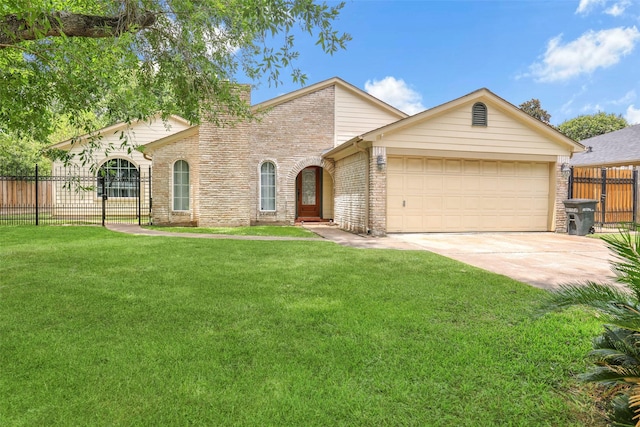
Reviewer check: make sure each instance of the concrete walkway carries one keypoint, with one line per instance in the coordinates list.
(544, 260)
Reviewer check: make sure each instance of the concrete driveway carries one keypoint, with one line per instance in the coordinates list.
(545, 260)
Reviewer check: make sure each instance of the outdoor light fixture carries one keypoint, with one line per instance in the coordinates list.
(565, 170)
(381, 161)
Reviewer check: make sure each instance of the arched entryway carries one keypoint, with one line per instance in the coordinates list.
(309, 194)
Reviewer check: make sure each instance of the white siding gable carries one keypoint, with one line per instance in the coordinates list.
(137, 134)
(355, 115)
(452, 131)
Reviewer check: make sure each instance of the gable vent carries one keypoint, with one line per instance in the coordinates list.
(479, 114)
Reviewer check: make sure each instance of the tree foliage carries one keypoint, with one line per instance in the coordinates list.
(588, 126)
(533, 108)
(19, 155)
(130, 59)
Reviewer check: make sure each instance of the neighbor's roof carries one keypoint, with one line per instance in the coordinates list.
(620, 147)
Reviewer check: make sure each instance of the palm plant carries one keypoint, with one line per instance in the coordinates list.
(616, 352)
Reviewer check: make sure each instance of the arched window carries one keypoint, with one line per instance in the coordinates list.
(118, 178)
(479, 114)
(268, 187)
(181, 186)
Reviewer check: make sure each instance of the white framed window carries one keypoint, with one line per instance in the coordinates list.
(118, 178)
(267, 187)
(181, 186)
(479, 114)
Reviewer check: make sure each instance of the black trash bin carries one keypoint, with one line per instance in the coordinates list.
(580, 216)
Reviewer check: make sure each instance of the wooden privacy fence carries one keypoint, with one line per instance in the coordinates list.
(615, 189)
(19, 192)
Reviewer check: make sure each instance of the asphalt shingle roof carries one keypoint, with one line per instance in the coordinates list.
(621, 147)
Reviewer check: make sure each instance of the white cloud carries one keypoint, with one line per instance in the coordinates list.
(397, 93)
(632, 115)
(585, 6)
(584, 55)
(618, 8)
(627, 98)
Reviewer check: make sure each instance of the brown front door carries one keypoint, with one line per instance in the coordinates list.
(308, 192)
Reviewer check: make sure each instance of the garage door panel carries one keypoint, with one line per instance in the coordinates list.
(432, 203)
(414, 203)
(395, 183)
(415, 165)
(395, 163)
(434, 182)
(452, 166)
(472, 167)
(451, 222)
(472, 183)
(453, 182)
(490, 168)
(466, 195)
(415, 184)
(434, 166)
(508, 169)
(508, 186)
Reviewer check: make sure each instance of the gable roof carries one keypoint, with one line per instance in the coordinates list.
(480, 95)
(151, 146)
(620, 147)
(110, 130)
(324, 84)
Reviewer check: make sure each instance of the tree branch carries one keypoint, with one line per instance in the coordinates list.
(14, 30)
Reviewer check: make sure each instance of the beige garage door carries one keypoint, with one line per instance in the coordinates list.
(449, 195)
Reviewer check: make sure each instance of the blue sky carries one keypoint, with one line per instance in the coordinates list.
(576, 56)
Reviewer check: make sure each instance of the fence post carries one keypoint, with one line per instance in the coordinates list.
(104, 198)
(603, 197)
(149, 218)
(37, 191)
(139, 196)
(570, 189)
(635, 195)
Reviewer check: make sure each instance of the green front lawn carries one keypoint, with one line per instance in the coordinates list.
(102, 328)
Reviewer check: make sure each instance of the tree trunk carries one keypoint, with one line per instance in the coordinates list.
(14, 30)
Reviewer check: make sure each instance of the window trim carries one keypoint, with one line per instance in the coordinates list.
(275, 186)
(110, 189)
(173, 186)
(479, 114)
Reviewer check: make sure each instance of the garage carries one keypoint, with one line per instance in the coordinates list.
(474, 164)
(428, 194)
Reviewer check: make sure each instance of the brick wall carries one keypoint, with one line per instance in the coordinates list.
(291, 135)
(562, 193)
(351, 203)
(162, 182)
(378, 192)
(224, 198)
(225, 164)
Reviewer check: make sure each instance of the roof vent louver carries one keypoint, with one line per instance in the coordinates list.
(479, 114)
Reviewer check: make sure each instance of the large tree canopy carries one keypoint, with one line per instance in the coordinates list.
(590, 125)
(130, 59)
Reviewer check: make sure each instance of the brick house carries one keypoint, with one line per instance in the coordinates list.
(330, 151)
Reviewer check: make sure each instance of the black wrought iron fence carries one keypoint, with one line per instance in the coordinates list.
(74, 196)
